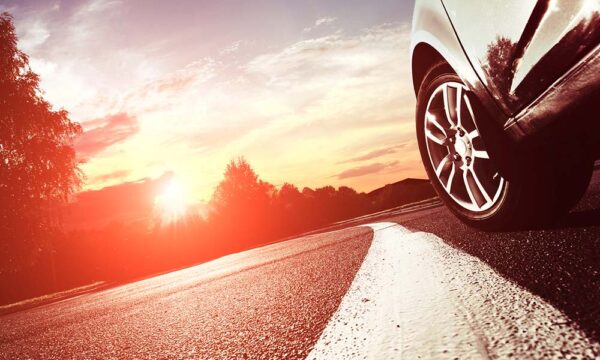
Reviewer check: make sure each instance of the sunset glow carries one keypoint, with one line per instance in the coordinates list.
(171, 203)
(313, 94)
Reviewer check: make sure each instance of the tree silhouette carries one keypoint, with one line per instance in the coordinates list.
(499, 66)
(289, 208)
(38, 166)
(240, 188)
(245, 212)
(573, 46)
(241, 205)
(503, 57)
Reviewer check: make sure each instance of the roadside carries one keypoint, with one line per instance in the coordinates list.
(55, 297)
(412, 208)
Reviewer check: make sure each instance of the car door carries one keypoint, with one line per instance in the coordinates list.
(519, 48)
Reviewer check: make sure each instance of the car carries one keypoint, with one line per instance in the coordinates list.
(508, 100)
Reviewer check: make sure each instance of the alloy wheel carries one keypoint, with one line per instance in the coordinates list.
(457, 153)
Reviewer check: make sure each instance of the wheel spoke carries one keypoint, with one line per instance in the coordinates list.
(470, 109)
(448, 106)
(469, 190)
(441, 165)
(450, 179)
(480, 188)
(431, 118)
(459, 93)
(434, 138)
(473, 134)
(481, 154)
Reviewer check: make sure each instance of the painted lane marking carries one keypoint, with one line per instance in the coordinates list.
(416, 297)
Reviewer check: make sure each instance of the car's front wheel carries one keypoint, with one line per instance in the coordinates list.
(464, 174)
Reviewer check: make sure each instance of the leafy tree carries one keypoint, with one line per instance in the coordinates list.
(289, 196)
(38, 166)
(349, 203)
(241, 206)
(240, 189)
(290, 208)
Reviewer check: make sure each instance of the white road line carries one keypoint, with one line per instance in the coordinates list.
(416, 297)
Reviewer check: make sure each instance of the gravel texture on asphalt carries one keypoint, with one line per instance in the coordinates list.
(269, 303)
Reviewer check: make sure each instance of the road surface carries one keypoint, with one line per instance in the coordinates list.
(417, 285)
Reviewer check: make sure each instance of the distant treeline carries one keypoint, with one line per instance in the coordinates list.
(244, 212)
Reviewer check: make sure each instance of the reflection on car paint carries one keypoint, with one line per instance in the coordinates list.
(518, 68)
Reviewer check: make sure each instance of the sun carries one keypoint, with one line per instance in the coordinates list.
(171, 203)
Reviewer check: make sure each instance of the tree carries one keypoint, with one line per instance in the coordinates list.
(349, 203)
(241, 206)
(240, 189)
(38, 165)
(290, 210)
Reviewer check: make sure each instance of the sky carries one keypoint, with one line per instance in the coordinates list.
(312, 93)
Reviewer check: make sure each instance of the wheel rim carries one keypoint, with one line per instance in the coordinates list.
(458, 156)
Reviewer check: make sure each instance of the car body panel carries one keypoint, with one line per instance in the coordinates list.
(432, 28)
(578, 86)
(487, 30)
(519, 48)
(527, 61)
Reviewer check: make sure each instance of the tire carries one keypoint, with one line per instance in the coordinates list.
(574, 177)
(464, 175)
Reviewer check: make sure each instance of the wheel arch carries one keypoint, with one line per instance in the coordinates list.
(424, 57)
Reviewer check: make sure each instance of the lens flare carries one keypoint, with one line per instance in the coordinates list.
(171, 203)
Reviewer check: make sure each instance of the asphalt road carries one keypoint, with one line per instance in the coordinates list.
(408, 285)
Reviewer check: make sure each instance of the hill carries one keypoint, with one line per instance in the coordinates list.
(401, 193)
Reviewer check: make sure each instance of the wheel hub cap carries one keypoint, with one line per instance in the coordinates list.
(461, 147)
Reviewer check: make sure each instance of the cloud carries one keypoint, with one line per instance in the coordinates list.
(340, 94)
(320, 23)
(183, 79)
(233, 48)
(365, 54)
(365, 170)
(375, 154)
(171, 89)
(105, 132)
(119, 174)
(217, 137)
(326, 20)
(126, 202)
(34, 35)
(316, 101)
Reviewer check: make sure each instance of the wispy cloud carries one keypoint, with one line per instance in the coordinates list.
(373, 154)
(118, 175)
(177, 88)
(232, 48)
(125, 202)
(320, 23)
(365, 170)
(104, 133)
(318, 100)
(35, 34)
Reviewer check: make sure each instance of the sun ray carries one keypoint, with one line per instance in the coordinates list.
(171, 204)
